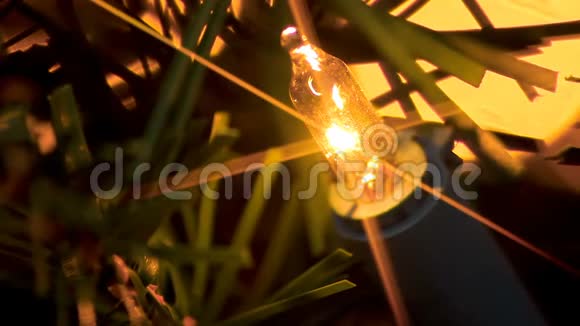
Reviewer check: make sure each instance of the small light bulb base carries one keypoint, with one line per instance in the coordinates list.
(404, 203)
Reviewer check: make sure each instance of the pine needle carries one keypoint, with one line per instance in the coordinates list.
(243, 234)
(266, 311)
(317, 275)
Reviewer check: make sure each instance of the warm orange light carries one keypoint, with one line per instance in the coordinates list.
(323, 89)
(337, 98)
(342, 140)
(498, 104)
(310, 55)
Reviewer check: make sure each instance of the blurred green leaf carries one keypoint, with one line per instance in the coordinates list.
(173, 78)
(192, 87)
(69, 129)
(416, 37)
(384, 38)
(163, 313)
(276, 253)
(13, 125)
(428, 46)
(181, 289)
(138, 220)
(189, 221)
(504, 63)
(317, 275)
(203, 241)
(23, 245)
(221, 138)
(162, 246)
(242, 236)
(139, 288)
(69, 207)
(179, 254)
(262, 313)
(11, 222)
(41, 268)
(317, 214)
(217, 150)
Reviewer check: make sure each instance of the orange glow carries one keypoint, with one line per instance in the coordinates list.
(311, 86)
(180, 6)
(341, 113)
(54, 68)
(341, 139)
(310, 56)
(120, 87)
(138, 66)
(499, 104)
(338, 100)
(322, 89)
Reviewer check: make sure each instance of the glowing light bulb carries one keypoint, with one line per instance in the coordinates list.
(323, 89)
(344, 123)
(342, 140)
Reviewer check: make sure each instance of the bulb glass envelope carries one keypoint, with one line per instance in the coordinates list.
(323, 89)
